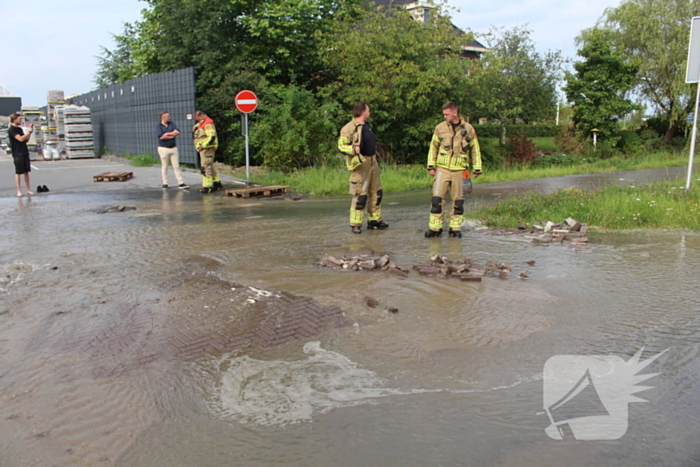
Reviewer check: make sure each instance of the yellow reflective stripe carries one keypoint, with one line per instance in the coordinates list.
(356, 216)
(456, 224)
(432, 154)
(345, 146)
(476, 154)
(377, 215)
(435, 222)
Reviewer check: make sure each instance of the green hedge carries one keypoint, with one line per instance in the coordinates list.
(491, 130)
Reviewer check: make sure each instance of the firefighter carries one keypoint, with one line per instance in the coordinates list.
(453, 147)
(206, 142)
(357, 143)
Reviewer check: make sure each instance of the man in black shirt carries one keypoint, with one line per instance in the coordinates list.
(20, 152)
(358, 144)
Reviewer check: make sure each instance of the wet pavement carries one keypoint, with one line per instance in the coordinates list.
(199, 331)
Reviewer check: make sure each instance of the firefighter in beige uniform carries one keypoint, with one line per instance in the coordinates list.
(206, 142)
(454, 143)
(359, 146)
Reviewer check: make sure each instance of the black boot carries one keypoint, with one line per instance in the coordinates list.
(433, 233)
(455, 233)
(218, 185)
(356, 229)
(381, 225)
(206, 189)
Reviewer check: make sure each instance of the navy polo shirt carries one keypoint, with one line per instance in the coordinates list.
(161, 130)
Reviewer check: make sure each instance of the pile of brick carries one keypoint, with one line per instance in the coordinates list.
(570, 230)
(546, 233)
(466, 270)
(362, 262)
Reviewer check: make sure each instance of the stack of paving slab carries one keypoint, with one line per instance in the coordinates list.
(53, 100)
(61, 126)
(78, 130)
(33, 116)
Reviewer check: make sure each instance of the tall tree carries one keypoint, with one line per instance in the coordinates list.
(599, 86)
(653, 36)
(513, 81)
(404, 69)
(117, 65)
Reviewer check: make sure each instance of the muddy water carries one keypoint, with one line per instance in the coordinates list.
(454, 378)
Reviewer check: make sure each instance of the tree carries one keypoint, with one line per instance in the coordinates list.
(115, 66)
(597, 90)
(653, 36)
(404, 69)
(513, 81)
(236, 44)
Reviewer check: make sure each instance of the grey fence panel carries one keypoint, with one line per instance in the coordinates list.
(124, 116)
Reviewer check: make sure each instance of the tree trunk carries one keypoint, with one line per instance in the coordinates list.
(503, 134)
(672, 130)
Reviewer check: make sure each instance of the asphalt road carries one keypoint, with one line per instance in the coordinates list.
(76, 175)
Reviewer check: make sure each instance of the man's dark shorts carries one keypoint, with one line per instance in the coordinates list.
(22, 165)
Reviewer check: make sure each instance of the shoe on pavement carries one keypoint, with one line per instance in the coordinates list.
(45, 188)
(183, 186)
(356, 229)
(206, 189)
(433, 233)
(455, 233)
(39, 189)
(381, 225)
(165, 187)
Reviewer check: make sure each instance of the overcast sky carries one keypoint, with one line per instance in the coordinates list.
(52, 44)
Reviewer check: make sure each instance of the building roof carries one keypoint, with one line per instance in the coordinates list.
(5, 93)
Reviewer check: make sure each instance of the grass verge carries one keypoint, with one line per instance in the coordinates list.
(144, 160)
(659, 205)
(332, 180)
(646, 161)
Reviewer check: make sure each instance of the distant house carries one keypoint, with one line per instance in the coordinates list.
(421, 11)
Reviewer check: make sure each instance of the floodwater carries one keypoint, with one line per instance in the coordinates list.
(455, 378)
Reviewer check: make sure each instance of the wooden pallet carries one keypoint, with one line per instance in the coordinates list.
(113, 176)
(258, 191)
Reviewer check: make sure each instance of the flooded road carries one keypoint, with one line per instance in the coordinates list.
(125, 338)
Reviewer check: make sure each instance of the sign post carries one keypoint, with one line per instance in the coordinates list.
(692, 75)
(246, 101)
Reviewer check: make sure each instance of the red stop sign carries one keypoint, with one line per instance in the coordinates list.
(246, 101)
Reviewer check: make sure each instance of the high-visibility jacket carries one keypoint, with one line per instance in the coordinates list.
(350, 136)
(205, 135)
(452, 149)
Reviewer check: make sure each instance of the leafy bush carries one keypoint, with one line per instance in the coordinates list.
(521, 149)
(492, 130)
(566, 140)
(630, 143)
(603, 150)
(492, 154)
(296, 131)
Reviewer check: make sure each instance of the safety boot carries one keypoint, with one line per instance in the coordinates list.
(455, 233)
(372, 225)
(206, 189)
(433, 233)
(356, 229)
(218, 185)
